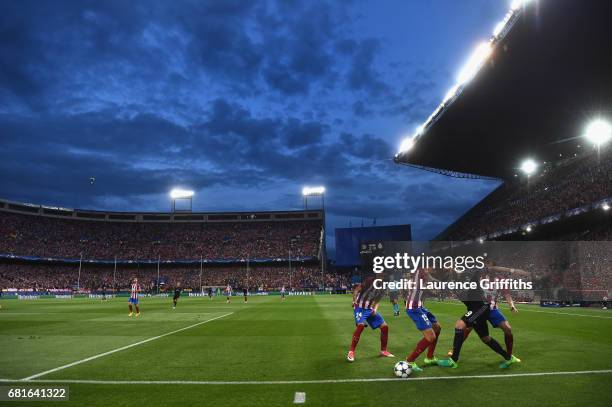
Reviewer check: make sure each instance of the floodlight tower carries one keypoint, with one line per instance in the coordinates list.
(320, 192)
(181, 194)
(313, 191)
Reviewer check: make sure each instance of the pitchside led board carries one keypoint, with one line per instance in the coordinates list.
(550, 272)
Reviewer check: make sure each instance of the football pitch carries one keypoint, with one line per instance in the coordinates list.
(264, 352)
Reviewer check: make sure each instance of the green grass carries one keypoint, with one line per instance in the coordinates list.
(303, 338)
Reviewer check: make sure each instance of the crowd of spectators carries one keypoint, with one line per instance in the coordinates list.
(42, 277)
(560, 270)
(41, 236)
(555, 189)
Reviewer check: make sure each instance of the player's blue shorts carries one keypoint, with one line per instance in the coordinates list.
(133, 301)
(496, 317)
(422, 318)
(362, 316)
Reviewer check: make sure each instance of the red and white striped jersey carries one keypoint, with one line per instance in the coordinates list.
(134, 291)
(414, 296)
(368, 296)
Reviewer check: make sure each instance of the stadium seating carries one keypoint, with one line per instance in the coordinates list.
(572, 184)
(27, 235)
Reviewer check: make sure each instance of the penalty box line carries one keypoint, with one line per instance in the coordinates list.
(323, 381)
(78, 362)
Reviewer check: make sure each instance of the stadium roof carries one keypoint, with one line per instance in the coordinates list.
(548, 74)
(110, 216)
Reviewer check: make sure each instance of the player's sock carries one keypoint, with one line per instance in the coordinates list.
(356, 336)
(432, 346)
(509, 339)
(384, 337)
(493, 344)
(457, 343)
(421, 346)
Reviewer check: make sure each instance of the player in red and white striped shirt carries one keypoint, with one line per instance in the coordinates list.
(134, 297)
(423, 319)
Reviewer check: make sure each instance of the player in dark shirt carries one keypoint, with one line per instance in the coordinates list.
(478, 310)
(245, 292)
(177, 295)
(210, 293)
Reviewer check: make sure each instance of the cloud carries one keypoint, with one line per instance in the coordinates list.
(225, 96)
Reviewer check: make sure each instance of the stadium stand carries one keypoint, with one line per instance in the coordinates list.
(41, 248)
(561, 190)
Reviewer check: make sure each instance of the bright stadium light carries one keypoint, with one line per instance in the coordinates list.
(516, 4)
(450, 94)
(178, 193)
(605, 206)
(313, 191)
(528, 229)
(473, 65)
(598, 132)
(407, 144)
(529, 166)
(499, 28)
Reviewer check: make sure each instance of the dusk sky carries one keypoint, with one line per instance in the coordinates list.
(244, 102)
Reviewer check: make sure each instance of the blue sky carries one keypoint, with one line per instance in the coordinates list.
(244, 102)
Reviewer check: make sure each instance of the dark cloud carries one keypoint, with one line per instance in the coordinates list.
(227, 95)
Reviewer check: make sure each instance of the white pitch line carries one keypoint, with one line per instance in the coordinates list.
(565, 313)
(557, 313)
(322, 381)
(78, 362)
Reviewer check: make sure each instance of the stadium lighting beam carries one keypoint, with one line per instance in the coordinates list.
(475, 62)
(598, 132)
(605, 206)
(516, 4)
(529, 166)
(182, 194)
(407, 145)
(528, 229)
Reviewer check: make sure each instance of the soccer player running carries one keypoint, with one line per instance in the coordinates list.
(133, 301)
(365, 305)
(210, 293)
(478, 312)
(177, 295)
(245, 292)
(283, 292)
(424, 320)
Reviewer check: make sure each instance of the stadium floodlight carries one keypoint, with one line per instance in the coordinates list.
(419, 130)
(313, 191)
(178, 193)
(605, 206)
(407, 144)
(528, 229)
(475, 62)
(516, 4)
(598, 132)
(529, 166)
(499, 28)
(450, 94)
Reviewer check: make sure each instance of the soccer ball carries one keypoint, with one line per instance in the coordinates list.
(402, 369)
